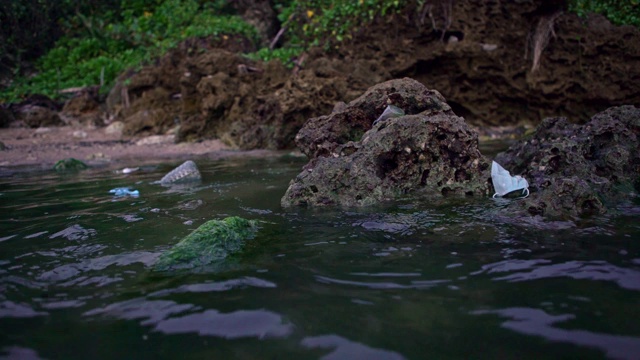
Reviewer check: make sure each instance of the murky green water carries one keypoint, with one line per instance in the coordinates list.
(408, 280)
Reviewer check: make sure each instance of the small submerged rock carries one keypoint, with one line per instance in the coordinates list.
(185, 173)
(70, 164)
(210, 245)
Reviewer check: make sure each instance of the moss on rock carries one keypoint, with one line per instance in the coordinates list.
(211, 244)
(69, 164)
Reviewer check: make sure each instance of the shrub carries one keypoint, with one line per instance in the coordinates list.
(619, 12)
(106, 46)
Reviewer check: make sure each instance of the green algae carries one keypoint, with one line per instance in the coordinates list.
(70, 164)
(210, 245)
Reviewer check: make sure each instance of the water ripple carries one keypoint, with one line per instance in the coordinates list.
(217, 286)
(151, 311)
(10, 309)
(68, 271)
(578, 270)
(530, 321)
(399, 223)
(238, 324)
(233, 325)
(18, 352)
(347, 349)
(386, 274)
(75, 232)
(418, 284)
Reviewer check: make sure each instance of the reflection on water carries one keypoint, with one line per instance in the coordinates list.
(345, 349)
(417, 284)
(260, 324)
(400, 281)
(68, 271)
(526, 270)
(537, 322)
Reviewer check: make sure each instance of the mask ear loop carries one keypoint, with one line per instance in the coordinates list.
(523, 197)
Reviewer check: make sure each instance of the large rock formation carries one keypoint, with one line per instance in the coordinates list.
(428, 152)
(84, 108)
(482, 64)
(578, 170)
(320, 136)
(220, 94)
(38, 116)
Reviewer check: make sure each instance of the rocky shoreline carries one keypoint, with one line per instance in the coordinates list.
(572, 170)
(41, 148)
(200, 99)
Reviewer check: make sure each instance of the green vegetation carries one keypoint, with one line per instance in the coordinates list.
(99, 48)
(97, 40)
(211, 245)
(619, 12)
(103, 39)
(326, 22)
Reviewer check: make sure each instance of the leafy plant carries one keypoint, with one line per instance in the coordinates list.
(328, 22)
(111, 44)
(284, 55)
(625, 12)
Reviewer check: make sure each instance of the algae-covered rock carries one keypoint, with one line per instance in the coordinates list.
(578, 170)
(69, 164)
(428, 153)
(210, 245)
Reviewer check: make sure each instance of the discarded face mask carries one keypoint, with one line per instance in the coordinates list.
(504, 183)
(185, 173)
(389, 112)
(124, 192)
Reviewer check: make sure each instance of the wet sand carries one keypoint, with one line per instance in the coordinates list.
(43, 147)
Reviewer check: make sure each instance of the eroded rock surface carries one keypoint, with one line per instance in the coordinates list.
(38, 116)
(428, 152)
(482, 63)
(84, 108)
(579, 170)
(321, 135)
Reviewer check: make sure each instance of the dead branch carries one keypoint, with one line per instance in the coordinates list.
(444, 15)
(281, 32)
(277, 37)
(541, 36)
(124, 93)
(299, 63)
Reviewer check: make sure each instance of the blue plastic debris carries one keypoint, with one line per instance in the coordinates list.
(123, 191)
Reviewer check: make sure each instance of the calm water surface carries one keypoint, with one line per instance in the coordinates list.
(409, 280)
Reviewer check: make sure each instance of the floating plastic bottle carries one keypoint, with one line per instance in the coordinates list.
(187, 172)
(504, 183)
(123, 191)
(389, 112)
